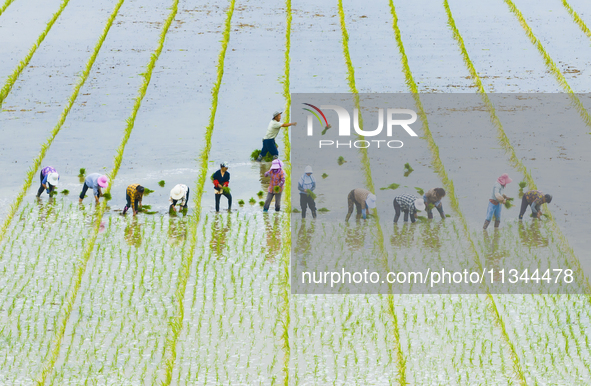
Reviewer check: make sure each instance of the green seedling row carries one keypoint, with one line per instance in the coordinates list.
(5, 5)
(177, 318)
(32, 172)
(25, 62)
(49, 362)
(577, 19)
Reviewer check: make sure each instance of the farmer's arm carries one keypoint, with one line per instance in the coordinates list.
(300, 187)
(289, 124)
(97, 194)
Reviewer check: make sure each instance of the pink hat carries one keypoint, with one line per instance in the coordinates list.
(504, 179)
(103, 181)
(276, 164)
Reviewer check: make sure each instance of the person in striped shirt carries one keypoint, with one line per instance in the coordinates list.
(534, 199)
(133, 194)
(408, 204)
(49, 180)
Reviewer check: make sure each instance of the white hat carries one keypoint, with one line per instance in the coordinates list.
(420, 204)
(177, 192)
(371, 201)
(308, 169)
(276, 113)
(53, 178)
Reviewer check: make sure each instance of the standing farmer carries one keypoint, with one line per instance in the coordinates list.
(408, 204)
(275, 185)
(362, 199)
(133, 195)
(434, 196)
(307, 182)
(49, 180)
(269, 145)
(534, 199)
(221, 180)
(94, 181)
(496, 199)
(179, 195)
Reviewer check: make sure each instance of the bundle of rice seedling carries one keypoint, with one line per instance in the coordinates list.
(241, 202)
(311, 194)
(392, 186)
(161, 183)
(324, 175)
(341, 160)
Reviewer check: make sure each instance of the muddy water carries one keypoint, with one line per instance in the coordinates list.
(41, 92)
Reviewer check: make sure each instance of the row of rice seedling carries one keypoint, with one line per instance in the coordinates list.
(229, 333)
(25, 61)
(124, 303)
(550, 64)
(51, 358)
(38, 261)
(577, 19)
(504, 141)
(449, 187)
(366, 166)
(5, 5)
(177, 319)
(32, 172)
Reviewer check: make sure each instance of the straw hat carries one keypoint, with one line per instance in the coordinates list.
(177, 192)
(53, 179)
(420, 204)
(371, 200)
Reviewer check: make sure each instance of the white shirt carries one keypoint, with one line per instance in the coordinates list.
(273, 129)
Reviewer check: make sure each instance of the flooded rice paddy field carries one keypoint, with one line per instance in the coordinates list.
(203, 298)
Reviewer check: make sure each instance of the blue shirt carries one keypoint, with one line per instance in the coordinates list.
(92, 182)
(306, 182)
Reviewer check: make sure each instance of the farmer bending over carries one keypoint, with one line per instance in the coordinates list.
(269, 145)
(434, 196)
(408, 204)
(362, 199)
(94, 181)
(179, 195)
(49, 180)
(134, 195)
(534, 199)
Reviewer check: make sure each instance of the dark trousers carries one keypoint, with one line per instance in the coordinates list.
(307, 201)
(269, 146)
(217, 200)
(277, 201)
(128, 205)
(41, 186)
(524, 205)
(84, 189)
(397, 209)
(350, 202)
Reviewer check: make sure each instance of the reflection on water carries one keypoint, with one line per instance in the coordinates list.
(355, 235)
(133, 233)
(494, 252)
(403, 236)
(47, 212)
(531, 236)
(430, 234)
(219, 233)
(177, 230)
(272, 235)
(303, 242)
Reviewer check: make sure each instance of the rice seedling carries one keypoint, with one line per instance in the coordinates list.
(324, 175)
(82, 172)
(53, 193)
(5, 5)
(226, 190)
(311, 194)
(295, 210)
(522, 185)
(65, 192)
(341, 160)
(255, 154)
(419, 190)
(107, 196)
(252, 201)
(577, 18)
(147, 191)
(241, 202)
(262, 203)
(276, 189)
(392, 186)
(323, 210)
(260, 194)
(508, 203)
(161, 183)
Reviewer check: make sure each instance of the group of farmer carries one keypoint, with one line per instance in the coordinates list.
(179, 195)
(361, 199)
